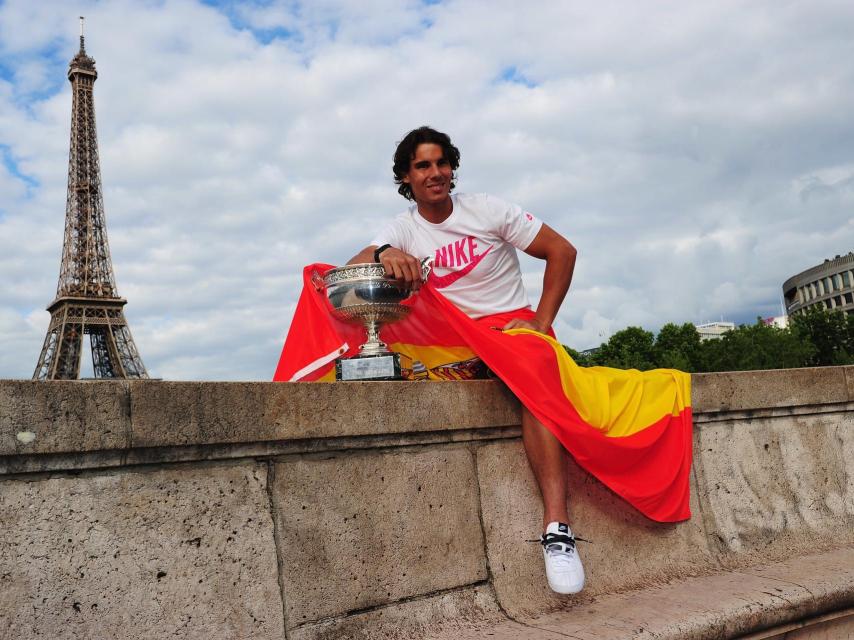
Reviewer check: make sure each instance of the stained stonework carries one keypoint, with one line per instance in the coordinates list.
(775, 487)
(139, 554)
(364, 530)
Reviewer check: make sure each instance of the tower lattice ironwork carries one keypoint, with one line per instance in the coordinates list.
(87, 301)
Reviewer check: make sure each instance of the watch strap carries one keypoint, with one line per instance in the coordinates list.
(379, 250)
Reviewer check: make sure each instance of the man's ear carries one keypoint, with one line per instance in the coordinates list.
(405, 178)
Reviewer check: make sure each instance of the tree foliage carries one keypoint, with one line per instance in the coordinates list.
(756, 346)
(679, 347)
(816, 338)
(631, 348)
(830, 333)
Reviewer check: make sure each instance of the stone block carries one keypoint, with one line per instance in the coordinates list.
(770, 487)
(849, 381)
(363, 530)
(178, 552)
(182, 413)
(448, 616)
(63, 416)
(750, 390)
(628, 551)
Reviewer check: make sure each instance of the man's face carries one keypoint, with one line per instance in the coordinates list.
(429, 175)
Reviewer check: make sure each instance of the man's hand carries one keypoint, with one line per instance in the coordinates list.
(533, 324)
(402, 266)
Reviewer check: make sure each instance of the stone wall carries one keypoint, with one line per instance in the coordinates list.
(375, 510)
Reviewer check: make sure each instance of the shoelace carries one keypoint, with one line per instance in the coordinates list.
(557, 538)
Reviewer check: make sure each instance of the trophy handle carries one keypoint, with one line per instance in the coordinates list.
(317, 281)
(426, 267)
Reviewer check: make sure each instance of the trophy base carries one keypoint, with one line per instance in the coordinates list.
(387, 366)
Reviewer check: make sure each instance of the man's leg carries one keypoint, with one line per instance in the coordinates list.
(548, 462)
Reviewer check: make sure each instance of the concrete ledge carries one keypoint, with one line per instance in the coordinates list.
(38, 418)
(180, 413)
(63, 416)
(155, 414)
(751, 390)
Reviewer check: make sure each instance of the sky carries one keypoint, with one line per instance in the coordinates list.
(697, 154)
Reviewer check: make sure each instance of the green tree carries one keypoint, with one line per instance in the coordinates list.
(631, 348)
(679, 347)
(830, 332)
(580, 359)
(756, 346)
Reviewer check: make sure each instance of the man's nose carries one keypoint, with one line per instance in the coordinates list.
(434, 170)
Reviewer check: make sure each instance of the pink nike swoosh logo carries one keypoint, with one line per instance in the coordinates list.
(440, 282)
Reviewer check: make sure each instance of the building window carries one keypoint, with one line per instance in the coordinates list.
(828, 285)
(813, 290)
(846, 278)
(849, 298)
(838, 300)
(837, 281)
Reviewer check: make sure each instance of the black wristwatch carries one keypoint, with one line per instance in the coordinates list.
(379, 250)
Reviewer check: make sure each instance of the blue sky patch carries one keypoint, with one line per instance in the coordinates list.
(5, 72)
(54, 57)
(229, 8)
(512, 74)
(12, 167)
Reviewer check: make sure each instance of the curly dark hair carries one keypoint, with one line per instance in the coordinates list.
(406, 152)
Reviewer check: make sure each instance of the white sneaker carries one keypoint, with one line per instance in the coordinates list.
(563, 566)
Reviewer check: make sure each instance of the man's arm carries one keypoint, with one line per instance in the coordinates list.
(398, 265)
(365, 255)
(559, 255)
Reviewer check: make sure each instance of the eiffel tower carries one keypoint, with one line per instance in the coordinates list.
(87, 301)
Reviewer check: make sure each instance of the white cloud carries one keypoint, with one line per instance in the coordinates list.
(696, 154)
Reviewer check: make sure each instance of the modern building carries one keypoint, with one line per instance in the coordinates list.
(829, 285)
(714, 330)
(781, 322)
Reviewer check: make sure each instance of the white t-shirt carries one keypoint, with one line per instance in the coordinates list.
(473, 251)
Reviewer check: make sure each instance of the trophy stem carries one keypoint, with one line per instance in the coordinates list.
(374, 346)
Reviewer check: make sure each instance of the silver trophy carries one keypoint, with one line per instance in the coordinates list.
(363, 294)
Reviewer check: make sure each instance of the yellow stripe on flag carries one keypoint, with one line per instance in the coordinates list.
(618, 402)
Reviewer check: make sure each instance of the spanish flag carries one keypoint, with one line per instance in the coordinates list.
(630, 429)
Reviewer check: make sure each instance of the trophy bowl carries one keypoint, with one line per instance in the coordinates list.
(363, 294)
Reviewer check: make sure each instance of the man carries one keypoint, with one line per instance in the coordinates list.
(473, 239)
